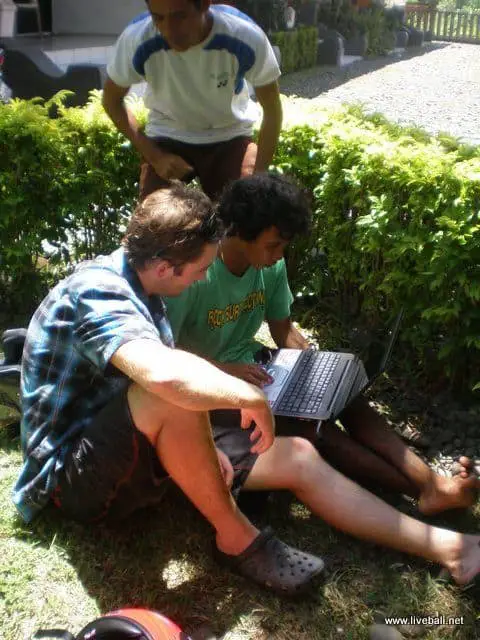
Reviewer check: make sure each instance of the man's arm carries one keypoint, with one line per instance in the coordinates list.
(286, 335)
(190, 382)
(269, 98)
(166, 165)
(183, 378)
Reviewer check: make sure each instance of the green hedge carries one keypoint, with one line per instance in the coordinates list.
(67, 185)
(298, 48)
(396, 214)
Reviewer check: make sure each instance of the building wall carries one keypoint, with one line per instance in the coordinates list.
(107, 17)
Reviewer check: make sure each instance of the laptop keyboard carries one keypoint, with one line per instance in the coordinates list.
(305, 392)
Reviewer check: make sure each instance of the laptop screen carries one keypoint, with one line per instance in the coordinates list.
(380, 350)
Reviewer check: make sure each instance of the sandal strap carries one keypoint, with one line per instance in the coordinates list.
(260, 541)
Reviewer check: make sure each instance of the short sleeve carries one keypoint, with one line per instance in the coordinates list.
(108, 315)
(120, 68)
(265, 69)
(278, 297)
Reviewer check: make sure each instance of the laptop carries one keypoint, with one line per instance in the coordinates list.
(318, 385)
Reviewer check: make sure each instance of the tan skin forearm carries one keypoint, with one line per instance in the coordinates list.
(124, 120)
(184, 379)
(286, 335)
(269, 99)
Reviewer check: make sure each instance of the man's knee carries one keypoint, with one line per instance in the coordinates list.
(357, 414)
(302, 461)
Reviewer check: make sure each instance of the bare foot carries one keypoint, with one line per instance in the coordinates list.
(442, 493)
(463, 467)
(464, 560)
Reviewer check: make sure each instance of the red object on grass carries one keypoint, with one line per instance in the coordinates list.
(159, 627)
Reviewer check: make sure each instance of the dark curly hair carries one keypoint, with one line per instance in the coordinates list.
(248, 206)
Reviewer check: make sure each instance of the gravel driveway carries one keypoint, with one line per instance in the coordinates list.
(436, 87)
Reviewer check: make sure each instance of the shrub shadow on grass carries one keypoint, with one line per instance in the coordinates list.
(161, 559)
(152, 561)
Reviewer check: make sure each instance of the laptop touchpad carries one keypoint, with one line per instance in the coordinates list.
(278, 374)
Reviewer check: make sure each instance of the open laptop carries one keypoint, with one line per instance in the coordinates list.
(318, 385)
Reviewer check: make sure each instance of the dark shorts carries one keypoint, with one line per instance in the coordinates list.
(112, 469)
(235, 443)
(215, 164)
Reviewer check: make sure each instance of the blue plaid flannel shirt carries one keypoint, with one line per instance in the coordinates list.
(66, 378)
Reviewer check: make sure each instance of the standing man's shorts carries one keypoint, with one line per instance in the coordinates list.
(215, 164)
(112, 469)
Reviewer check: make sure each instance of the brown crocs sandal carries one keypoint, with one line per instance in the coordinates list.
(273, 564)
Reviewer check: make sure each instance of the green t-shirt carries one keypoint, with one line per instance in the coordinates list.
(219, 317)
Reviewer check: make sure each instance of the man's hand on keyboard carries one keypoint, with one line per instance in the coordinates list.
(253, 373)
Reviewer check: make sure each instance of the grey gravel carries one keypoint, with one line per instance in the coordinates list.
(383, 632)
(413, 630)
(436, 87)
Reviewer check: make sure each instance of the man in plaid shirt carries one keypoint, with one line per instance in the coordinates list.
(111, 409)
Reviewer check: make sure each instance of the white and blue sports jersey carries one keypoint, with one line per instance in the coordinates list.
(199, 95)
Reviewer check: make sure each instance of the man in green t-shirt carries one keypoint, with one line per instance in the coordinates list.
(247, 284)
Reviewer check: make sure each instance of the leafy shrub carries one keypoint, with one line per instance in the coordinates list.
(269, 14)
(66, 186)
(378, 24)
(298, 48)
(34, 166)
(397, 218)
(397, 214)
(469, 6)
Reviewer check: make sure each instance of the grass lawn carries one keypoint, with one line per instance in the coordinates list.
(56, 573)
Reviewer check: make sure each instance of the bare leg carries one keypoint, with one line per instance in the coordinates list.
(360, 463)
(435, 493)
(294, 464)
(184, 442)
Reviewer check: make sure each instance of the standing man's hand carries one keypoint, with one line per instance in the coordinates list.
(263, 434)
(169, 166)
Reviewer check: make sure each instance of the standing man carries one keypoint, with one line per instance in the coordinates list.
(196, 60)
